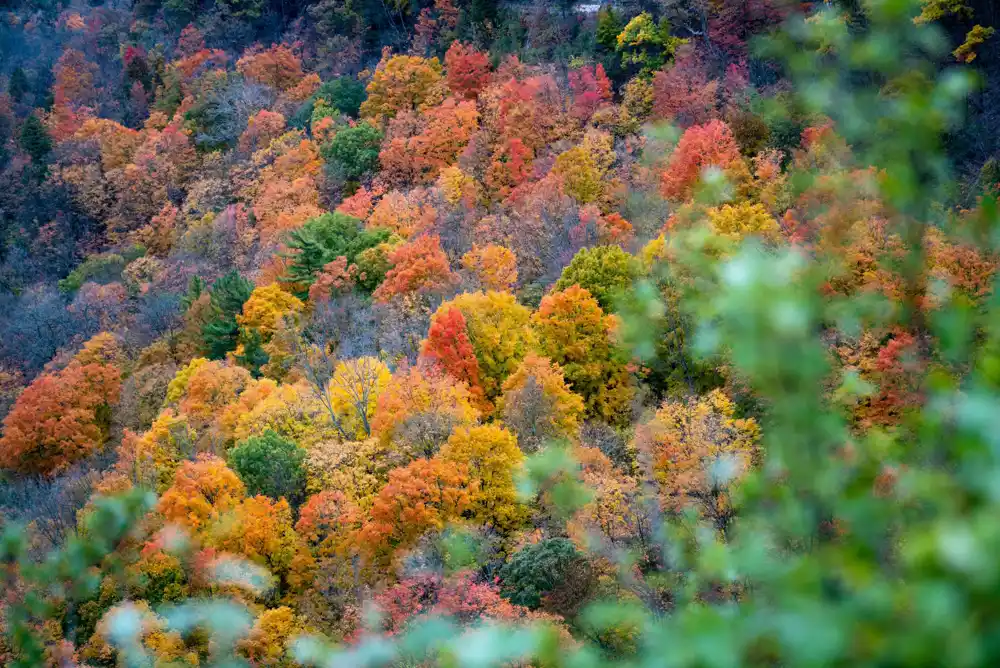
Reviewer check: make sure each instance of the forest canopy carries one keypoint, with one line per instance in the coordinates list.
(481, 333)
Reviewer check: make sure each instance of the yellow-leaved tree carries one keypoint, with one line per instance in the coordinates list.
(491, 455)
(699, 450)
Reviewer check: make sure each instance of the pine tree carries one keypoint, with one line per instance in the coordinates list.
(253, 356)
(35, 140)
(322, 240)
(18, 84)
(196, 286)
(229, 293)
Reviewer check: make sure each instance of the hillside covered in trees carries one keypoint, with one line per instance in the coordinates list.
(445, 332)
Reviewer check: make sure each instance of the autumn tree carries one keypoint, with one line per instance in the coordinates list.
(447, 348)
(270, 639)
(532, 111)
(537, 405)
(153, 636)
(336, 278)
(492, 267)
(261, 530)
(574, 332)
(285, 193)
(347, 390)
(583, 176)
(591, 90)
(615, 515)
(405, 214)
(701, 147)
(416, 150)
(418, 266)
(262, 127)
(733, 23)
(359, 469)
(461, 598)
(493, 460)
(118, 143)
(496, 327)
(266, 307)
(606, 272)
(467, 69)
(684, 93)
(328, 522)
(699, 450)
(60, 418)
(277, 67)
(420, 408)
(264, 405)
(74, 80)
(423, 496)
(511, 166)
(403, 83)
(204, 388)
(596, 228)
(151, 459)
(203, 491)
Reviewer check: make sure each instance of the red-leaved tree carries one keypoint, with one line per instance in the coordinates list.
(700, 147)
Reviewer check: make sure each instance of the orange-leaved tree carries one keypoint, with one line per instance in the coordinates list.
(60, 418)
(327, 522)
(260, 529)
(421, 407)
(418, 154)
(203, 490)
(418, 266)
(423, 496)
(574, 332)
(537, 405)
(277, 66)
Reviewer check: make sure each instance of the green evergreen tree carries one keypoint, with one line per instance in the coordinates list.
(196, 286)
(345, 94)
(221, 334)
(324, 239)
(609, 26)
(35, 140)
(18, 84)
(537, 569)
(253, 356)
